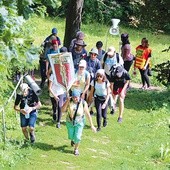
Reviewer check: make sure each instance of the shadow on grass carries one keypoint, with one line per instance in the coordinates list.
(146, 100)
(47, 147)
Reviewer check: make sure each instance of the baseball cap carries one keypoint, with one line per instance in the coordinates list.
(83, 63)
(54, 31)
(75, 93)
(119, 69)
(111, 51)
(54, 42)
(23, 87)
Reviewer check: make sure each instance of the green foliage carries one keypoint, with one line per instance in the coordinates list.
(163, 73)
(46, 7)
(17, 52)
(134, 13)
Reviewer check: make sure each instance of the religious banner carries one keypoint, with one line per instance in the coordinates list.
(63, 69)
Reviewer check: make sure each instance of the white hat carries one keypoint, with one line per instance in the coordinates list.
(83, 63)
(111, 51)
(24, 86)
(100, 71)
(94, 51)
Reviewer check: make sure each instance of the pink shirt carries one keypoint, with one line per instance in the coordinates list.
(126, 52)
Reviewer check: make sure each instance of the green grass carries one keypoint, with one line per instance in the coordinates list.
(95, 32)
(134, 144)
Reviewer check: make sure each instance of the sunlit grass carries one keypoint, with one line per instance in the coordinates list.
(134, 144)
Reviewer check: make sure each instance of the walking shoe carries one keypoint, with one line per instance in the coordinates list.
(54, 116)
(98, 129)
(58, 125)
(104, 123)
(119, 120)
(72, 143)
(76, 152)
(32, 137)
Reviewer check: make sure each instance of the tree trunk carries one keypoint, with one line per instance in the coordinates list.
(73, 20)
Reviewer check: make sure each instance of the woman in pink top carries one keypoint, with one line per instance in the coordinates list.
(126, 51)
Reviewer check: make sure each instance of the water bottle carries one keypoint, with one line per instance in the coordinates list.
(27, 115)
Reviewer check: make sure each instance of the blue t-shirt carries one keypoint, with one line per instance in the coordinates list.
(51, 51)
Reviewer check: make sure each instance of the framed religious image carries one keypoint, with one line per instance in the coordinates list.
(63, 69)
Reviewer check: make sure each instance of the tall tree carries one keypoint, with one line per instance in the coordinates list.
(73, 20)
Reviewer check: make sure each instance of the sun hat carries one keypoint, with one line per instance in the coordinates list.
(80, 35)
(54, 31)
(94, 51)
(82, 63)
(111, 51)
(23, 87)
(99, 44)
(80, 43)
(75, 93)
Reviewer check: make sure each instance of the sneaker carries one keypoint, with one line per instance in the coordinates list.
(98, 129)
(148, 88)
(58, 125)
(32, 137)
(76, 152)
(104, 123)
(54, 116)
(119, 120)
(72, 143)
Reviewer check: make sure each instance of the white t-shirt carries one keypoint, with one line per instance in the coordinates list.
(100, 88)
(110, 62)
(56, 88)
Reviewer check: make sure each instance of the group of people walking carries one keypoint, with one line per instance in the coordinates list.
(100, 79)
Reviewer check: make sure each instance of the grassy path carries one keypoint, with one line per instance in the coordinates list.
(134, 144)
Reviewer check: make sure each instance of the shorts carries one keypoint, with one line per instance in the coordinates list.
(75, 131)
(30, 121)
(118, 91)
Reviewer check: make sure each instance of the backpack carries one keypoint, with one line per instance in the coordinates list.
(113, 71)
(105, 57)
(113, 68)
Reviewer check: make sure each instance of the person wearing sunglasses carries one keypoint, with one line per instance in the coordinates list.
(100, 90)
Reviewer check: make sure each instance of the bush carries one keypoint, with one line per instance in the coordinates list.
(163, 73)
